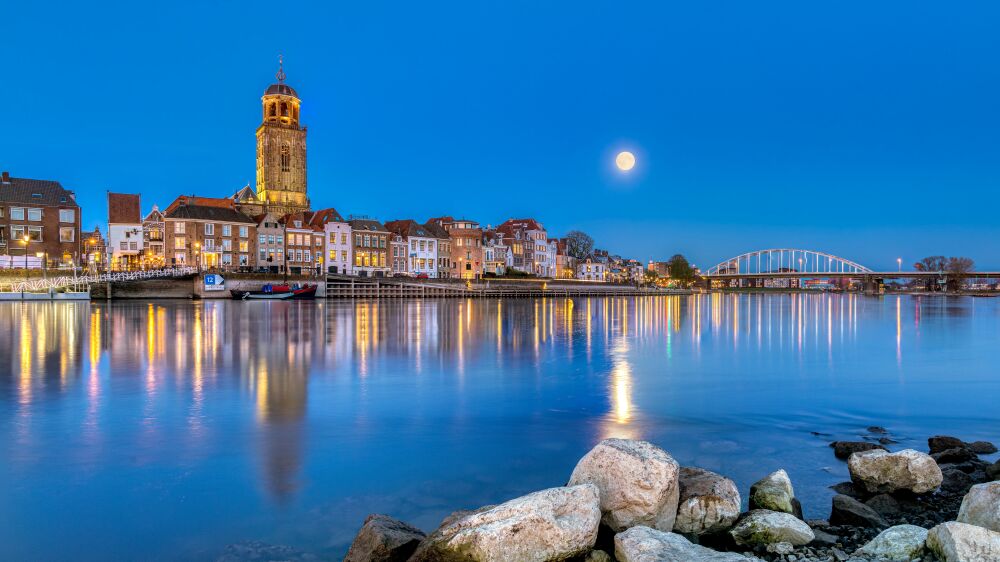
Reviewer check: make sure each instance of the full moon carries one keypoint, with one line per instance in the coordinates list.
(625, 161)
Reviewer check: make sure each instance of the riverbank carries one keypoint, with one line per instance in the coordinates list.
(630, 501)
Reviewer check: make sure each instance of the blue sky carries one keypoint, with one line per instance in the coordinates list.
(868, 130)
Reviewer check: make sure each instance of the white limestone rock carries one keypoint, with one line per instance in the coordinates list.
(981, 506)
(642, 544)
(553, 524)
(637, 482)
(708, 502)
(774, 492)
(763, 527)
(880, 471)
(901, 543)
(961, 542)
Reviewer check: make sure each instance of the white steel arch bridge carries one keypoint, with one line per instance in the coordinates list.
(785, 261)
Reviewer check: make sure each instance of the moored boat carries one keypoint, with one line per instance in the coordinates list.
(276, 292)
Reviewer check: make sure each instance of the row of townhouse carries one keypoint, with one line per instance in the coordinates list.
(39, 224)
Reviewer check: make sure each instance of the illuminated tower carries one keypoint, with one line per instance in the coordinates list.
(281, 150)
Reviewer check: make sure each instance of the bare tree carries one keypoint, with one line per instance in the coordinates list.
(579, 244)
(959, 265)
(931, 263)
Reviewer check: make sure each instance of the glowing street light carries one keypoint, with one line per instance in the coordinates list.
(899, 264)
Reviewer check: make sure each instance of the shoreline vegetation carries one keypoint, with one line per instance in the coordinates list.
(629, 500)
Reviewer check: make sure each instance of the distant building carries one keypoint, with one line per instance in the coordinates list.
(420, 247)
(661, 268)
(153, 239)
(466, 246)
(371, 247)
(494, 253)
(529, 246)
(95, 250)
(209, 233)
(591, 270)
(397, 254)
(38, 217)
(444, 268)
(337, 236)
(125, 238)
(565, 264)
(270, 243)
(302, 243)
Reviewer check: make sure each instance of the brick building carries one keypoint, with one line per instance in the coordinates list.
(209, 233)
(371, 248)
(38, 217)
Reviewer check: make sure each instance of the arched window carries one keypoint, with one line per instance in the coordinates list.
(284, 109)
(273, 110)
(286, 158)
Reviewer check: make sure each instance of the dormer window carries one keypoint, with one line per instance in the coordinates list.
(36, 195)
(298, 224)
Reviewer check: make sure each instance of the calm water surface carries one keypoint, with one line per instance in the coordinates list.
(171, 429)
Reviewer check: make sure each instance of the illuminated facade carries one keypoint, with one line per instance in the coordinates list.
(281, 154)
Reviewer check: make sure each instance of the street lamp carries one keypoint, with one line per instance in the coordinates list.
(899, 264)
(197, 257)
(25, 240)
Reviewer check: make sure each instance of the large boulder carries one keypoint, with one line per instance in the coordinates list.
(637, 482)
(774, 492)
(940, 443)
(763, 527)
(901, 543)
(707, 503)
(981, 506)
(961, 542)
(849, 511)
(642, 544)
(844, 449)
(384, 539)
(553, 524)
(953, 456)
(880, 471)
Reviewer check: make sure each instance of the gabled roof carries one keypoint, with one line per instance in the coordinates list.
(154, 216)
(436, 230)
(324, 216)
(511, 225)
(408, 228)
(367, 224)
(123, 208)
(36, 192)
(245, 193)
(205, 208)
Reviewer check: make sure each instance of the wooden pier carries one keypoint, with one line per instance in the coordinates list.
(382, 288)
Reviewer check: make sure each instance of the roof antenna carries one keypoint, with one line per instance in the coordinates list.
(281, 73)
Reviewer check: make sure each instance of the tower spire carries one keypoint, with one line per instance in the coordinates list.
(281, 73)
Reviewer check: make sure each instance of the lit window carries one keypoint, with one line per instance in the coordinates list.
(67, 234)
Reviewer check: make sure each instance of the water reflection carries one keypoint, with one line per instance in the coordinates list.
(289, 387)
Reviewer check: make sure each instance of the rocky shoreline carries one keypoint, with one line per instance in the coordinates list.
(630, 501)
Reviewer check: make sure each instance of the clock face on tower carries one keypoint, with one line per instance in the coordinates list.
(281, 150)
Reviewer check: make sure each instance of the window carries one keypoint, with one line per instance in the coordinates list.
(17, 213)
(261, 239)
(209, 229)
(368, 241)
(270, 239)
(381, 241)
(244, 246)
(131, 245)
(35, 215)
(35, 233)
(298, 255)
(244, 232)
(180, 258)
(308, 256)
(286, 157)
(381, 259)
(357, 239)
(357, 259)
(227, 259)
(413, 245)
(1, 212)
(227, 245)
(179, 243)
(227, 230)
(179, 228)
(343, 238)
(280, 239)
(67, 216)
(123, 245)
(244, 260)
(263, 254)
(210, 244)
(67, 234)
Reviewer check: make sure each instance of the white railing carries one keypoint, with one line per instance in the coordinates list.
(36, 285)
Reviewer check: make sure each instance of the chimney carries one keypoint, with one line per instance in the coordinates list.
(6, 177)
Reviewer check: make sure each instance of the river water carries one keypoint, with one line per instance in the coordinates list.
(171, 429)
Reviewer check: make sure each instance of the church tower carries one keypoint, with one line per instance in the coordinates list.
(281, 150)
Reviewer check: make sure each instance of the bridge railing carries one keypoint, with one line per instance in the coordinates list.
(66, 281)
(785, 260)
